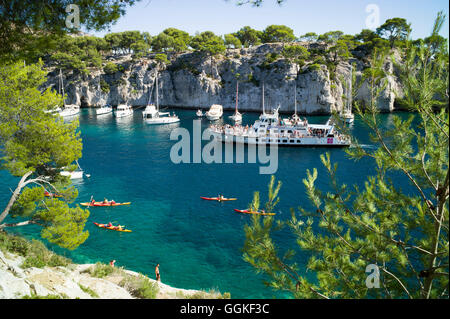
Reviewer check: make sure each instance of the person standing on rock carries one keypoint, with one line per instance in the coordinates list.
(158, 277)
(111, 263)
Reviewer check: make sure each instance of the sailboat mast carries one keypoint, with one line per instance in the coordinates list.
(295, 99)
(263, 98)
(349, 95)
(237, 95)
(62, 87)
(157, 96)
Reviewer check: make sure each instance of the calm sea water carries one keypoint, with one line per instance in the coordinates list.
(197, 243)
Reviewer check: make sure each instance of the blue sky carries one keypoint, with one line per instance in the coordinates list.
(320, 16)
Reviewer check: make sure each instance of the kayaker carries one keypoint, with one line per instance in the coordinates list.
(92, 201)
(158, 277)
(112, 202)
(105, 201)
(109, 225)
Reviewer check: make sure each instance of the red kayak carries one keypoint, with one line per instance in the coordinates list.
(246, 211)
(101, 204)
(223, 199)
(47, 194)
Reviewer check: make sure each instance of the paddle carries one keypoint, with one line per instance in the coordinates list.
(92, 196)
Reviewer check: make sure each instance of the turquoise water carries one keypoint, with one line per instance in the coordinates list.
(197, 243)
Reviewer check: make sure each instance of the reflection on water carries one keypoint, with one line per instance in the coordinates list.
(70, 118)
(125, 122)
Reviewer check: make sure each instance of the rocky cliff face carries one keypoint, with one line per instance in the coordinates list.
(195, 81)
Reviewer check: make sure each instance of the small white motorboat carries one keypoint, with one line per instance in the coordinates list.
(69, 110)
(215, 112)
(237, 117)
(76, 174)
(123, 110)
(106, 109)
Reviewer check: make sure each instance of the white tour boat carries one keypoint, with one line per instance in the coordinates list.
(237, 117)
(123, 110)
(215, 112)
(271, 130)
(152, 115)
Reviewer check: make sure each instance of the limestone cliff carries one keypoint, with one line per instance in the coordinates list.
(195, 81)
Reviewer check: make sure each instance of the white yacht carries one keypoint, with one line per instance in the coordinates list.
(152, 114)
(346, 114)
(348, 117)
(271, 130)
(105, 109)
(76, 174)
(237, 117)
(67, 110)
(215, 112)
(123, 110)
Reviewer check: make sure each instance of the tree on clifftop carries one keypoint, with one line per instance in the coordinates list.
(29, 26)
(278, 33)
(395, 29)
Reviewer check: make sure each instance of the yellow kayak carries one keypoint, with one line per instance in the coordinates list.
(116, 228)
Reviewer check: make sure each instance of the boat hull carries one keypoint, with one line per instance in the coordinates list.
(102, 111)
(282, 142)
(100, 204)
(73, 175)
(160, 121)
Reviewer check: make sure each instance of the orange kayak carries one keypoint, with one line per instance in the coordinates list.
(116, 228)
(101, 204)
(47, 194)
(246, 211)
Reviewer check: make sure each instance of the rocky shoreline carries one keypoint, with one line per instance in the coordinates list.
(76, 281)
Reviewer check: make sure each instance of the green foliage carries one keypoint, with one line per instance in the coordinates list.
(295, 53)
(331, 37)
(248, 36)
(110, 68)
(171, 39)
(162, 58)
(232, 41)
(36, 143)
(339, 50)
(163, 43)
(309, 37)
(100, 270)
(314, 67)
(278, 33)
(31, 26)
(35, 252)
(140, 287)
(395, 29)
(140, 49)
(403, 233)
(209, 43)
